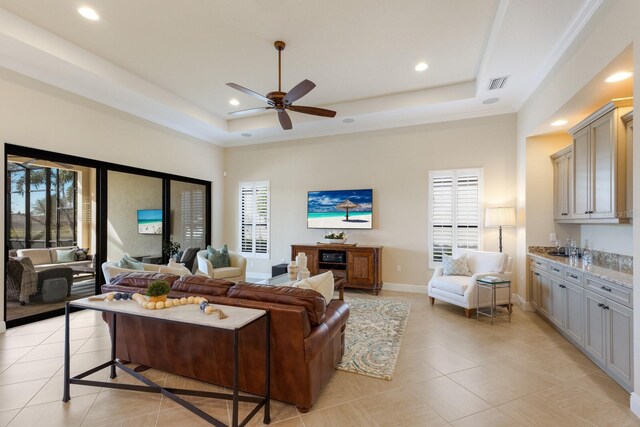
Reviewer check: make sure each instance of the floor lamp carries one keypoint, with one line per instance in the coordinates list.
(500, 217)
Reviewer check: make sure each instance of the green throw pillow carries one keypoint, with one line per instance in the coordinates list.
(65, 255)
(218, 257)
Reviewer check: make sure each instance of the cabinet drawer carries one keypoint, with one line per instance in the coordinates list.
(573, 276)
(556, 270)
(540, 265)
(609, 290)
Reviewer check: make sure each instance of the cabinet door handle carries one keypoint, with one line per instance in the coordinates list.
(562, 286)
(605, 288)
(573, 276)
(555, 269)
(606, 307)
(537, 274)
(601, 305)
(586, 212)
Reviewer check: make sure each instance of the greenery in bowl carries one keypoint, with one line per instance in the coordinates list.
(158, 288)
(334, 235)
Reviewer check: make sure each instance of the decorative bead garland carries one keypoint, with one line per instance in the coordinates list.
(142, 300)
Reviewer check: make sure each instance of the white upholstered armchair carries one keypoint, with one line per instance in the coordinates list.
(461, 290)
(235, 273)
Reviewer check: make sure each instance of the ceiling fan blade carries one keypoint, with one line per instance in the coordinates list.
(250, 92)
(285, 120)
(249, 111)
(298, 91)
(312, 110)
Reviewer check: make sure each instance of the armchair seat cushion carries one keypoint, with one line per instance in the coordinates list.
(226, 272)
(453, 284)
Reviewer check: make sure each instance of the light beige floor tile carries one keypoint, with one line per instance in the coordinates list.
(7, 416)
(188, 384)
(447, 361)
(81, 362)
(74, 334)
(583, 403)
(293, 422)
(348, 414)
(279, 412)
(15, 396)
(181, 417)
(85, 322)
(52, 391)
(533, 410)
(11, 355)
(55, 413)
(96, 343)
(336, 392)
(144, 420)
(384, 408)
(603, 386)
(50, 325)
(450, 400)
(48, 351)
(489, 418)
(20, 372)
(112, 406)
(17, 341)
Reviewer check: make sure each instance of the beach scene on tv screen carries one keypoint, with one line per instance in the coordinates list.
(150, 221)
(339, 209)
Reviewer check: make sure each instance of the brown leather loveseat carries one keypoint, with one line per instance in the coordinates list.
(307, 337)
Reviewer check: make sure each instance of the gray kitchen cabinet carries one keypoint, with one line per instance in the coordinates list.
(557, 301)
(563, 183)
(574, 307)
(594, 326)
(581, 174)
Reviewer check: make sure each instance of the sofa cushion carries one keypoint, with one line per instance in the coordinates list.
(486, 262)
(454, 284)
(312, 301)
(218, 257)
(322, 283)
(142, 280)
(37, 256)
(65, 255)
(455, 266)
(226, 272)
(201, 285)
(177, 269)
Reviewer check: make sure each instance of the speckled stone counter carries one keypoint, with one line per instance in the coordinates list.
(617, 277)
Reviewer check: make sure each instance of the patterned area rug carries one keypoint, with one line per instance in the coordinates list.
(373, 336)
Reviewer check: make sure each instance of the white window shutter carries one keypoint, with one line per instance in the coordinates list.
(254, 219)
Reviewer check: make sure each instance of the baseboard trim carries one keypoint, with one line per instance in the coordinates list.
(634, 403)
(257, 275)
(525, 305)
(405, 287)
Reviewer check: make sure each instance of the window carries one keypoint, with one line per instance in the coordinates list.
(193, 217)
(254, 219)
(454, 212)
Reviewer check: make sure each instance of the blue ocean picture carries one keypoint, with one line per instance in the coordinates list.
(340, 209)
(150, 221)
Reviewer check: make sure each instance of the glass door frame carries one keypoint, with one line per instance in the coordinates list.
(102, 169)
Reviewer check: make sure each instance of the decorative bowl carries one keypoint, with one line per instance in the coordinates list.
(339, 241)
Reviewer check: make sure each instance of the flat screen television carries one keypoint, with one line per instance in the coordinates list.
(150, 221)
(340, 209)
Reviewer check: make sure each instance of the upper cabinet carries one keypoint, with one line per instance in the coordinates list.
(598, 185)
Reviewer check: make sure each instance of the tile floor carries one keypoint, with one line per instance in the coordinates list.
(451, 371)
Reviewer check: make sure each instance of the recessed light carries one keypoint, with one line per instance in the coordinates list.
(246, 135)
(234, 101)
(622, 75)
(421, 66)
(560, 122)
(88, 13)
(490, 101)
(348, 120)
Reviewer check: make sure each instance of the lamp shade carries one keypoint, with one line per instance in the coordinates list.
(500, 217)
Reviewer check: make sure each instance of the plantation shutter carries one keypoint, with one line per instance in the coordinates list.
(193, 213)
(454, 212)
(254, 219)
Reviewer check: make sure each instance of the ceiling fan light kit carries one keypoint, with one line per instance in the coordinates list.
(282, 101)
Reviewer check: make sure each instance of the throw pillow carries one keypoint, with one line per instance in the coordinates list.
(81, 254)
(322, 283)
(218, 257)
(130, 263)
(65, 255)
(177, 257)
(455, 266)
(178, 270)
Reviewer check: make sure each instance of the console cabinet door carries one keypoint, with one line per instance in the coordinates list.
(595, 326)
(620, 345)
(534, 279)
(556, 309)
(312, 257)
(544, 302)
(573, 321)
(603, 154)
(360, 267)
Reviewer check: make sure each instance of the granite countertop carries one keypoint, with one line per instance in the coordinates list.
(614, 276)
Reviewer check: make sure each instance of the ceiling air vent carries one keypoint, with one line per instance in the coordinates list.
(498, 82)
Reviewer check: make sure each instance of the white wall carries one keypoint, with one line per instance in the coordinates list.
(36, 115)
(612, 29)
(395, 164)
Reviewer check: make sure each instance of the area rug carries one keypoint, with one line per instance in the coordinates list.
(373, 336)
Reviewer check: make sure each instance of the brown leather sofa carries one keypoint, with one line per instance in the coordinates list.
(307, 337)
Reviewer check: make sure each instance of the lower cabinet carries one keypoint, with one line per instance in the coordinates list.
(594, 318)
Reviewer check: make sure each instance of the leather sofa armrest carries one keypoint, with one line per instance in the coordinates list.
(336, 316)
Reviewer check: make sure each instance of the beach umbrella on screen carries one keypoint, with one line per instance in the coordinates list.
(346, 205)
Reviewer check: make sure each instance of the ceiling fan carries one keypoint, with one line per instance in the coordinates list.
(282, 101)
